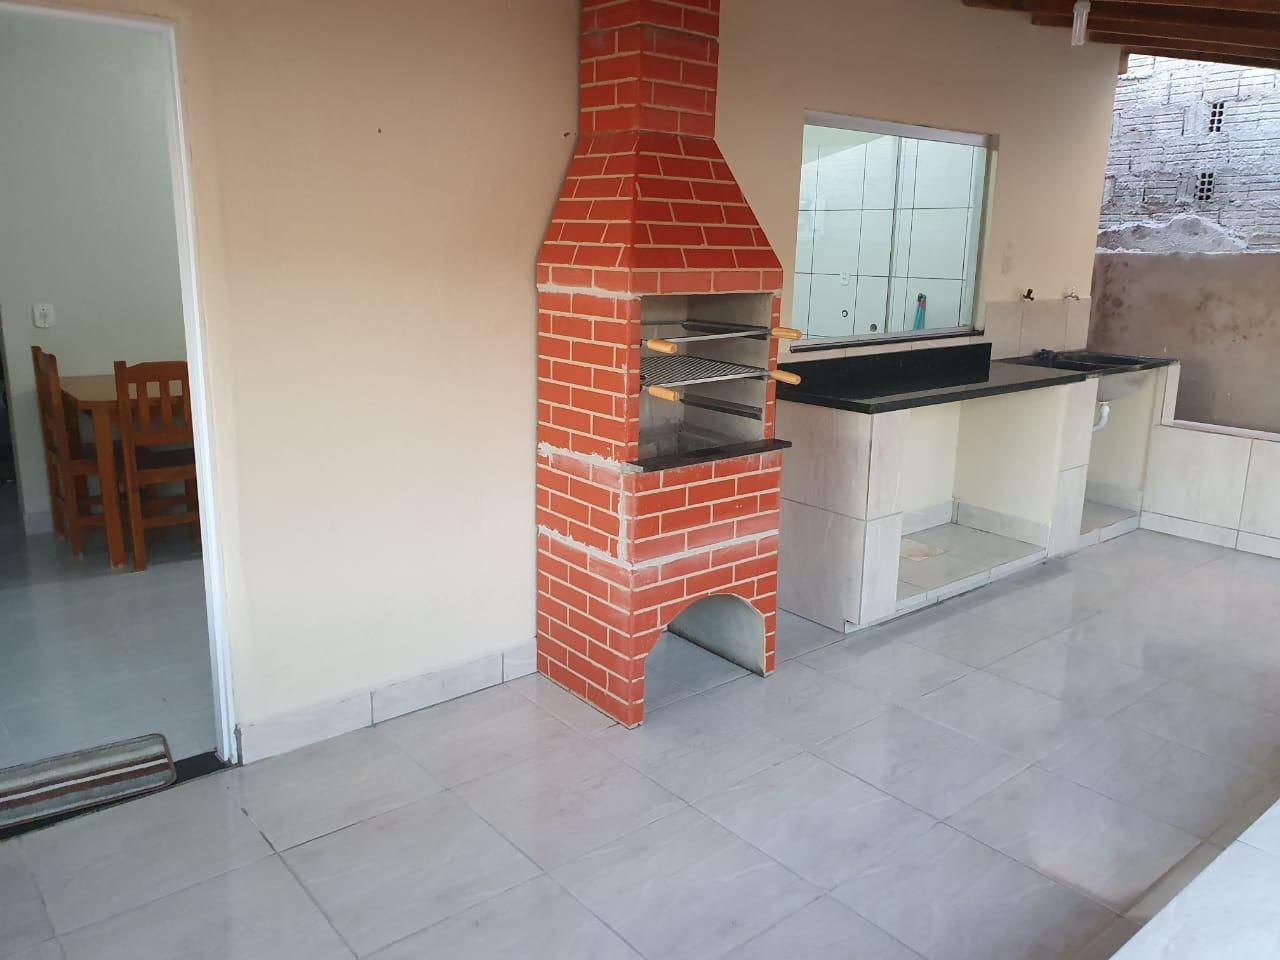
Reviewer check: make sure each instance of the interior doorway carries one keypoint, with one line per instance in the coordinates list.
(93, 649)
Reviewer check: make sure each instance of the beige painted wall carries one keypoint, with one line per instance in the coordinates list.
(1118, 457)
(1010, 452)
(87, 210)
(937, 63)
(367, 267)
(929, 465)
(367, 257)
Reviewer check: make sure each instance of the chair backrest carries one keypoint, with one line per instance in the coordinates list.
(53, 413)
(155, 404)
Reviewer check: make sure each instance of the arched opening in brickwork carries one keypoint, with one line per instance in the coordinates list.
(712, 641)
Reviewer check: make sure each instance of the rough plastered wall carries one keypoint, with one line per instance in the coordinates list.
(1216, 313)
(1176, 120)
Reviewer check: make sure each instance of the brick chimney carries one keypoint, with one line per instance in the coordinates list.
(658, 473)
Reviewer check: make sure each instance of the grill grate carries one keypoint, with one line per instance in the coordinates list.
(679, 371)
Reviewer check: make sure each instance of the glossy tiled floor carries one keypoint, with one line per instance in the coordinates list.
(950, 553)
(1024, 773)
(88, 656)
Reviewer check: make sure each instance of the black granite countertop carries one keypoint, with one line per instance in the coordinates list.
(879, 383)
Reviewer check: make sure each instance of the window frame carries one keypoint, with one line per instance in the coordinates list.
(988, 141)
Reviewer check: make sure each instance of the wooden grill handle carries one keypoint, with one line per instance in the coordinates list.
(786, 333)
(662, 346)
(785, 376)
(664, 393)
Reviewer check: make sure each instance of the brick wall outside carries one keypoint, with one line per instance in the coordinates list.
(1161, 141)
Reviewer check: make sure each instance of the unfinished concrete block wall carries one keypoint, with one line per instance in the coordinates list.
(1216, 313)
(1193, 158)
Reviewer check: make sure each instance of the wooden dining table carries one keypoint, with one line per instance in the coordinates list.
(94, 397)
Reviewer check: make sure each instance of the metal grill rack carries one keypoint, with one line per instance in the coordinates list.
(683, 371)
(712, 330)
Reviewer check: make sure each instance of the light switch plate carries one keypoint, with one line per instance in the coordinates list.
(42, 315)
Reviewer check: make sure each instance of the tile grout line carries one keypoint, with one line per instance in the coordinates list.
(316, 903)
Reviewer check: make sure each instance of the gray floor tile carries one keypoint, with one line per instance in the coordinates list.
(964, 552)
(1105, 945)
(824, 930)
(1097, 515)
(921, 762)
(1242, 668)
(23, 920)
(1048, 605)
(1014, 718)
(1104, 849)
(1215, 725)
(1265, 832)
(1229, 911)
(477, 734)
(91, 868)
(676, 669)
(1076, 675)
(890, 670)
(310, 792)
(796, 636)
(1172, 883)
(1166, 651)
(814, 819)
(399, 873)
(49, 950)
(968, 637)
(561, 704)
(258, 912)
(559, 806)
(1173, 783)
(696, 747)
(1247, 815)
(534, 920)
(951, 898)
(798, 704)
(684, 888)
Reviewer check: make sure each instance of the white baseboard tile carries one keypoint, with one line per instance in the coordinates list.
(37, 523)
(1002, 524)
(1117, 529)
(913, 521)
(957, 587)
(1189, 529)
(520, 661)
(1257, 543)
(437, 686)
(1113, 496)
(304, 727)
(1017, 566)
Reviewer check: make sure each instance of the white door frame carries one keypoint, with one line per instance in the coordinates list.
(197, 361)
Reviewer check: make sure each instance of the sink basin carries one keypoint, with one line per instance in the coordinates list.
(1118, 382)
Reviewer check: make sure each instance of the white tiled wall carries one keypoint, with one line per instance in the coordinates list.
(1212, 486)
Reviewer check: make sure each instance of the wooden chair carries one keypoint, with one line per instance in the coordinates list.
(68, 464)
(158, 448)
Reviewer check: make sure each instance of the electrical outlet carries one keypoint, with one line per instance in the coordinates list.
(42, 315)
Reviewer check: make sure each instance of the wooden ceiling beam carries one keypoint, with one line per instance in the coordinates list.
(1163, 30)
(1233, 59)
(1145, 10)
(1245, 32)
(1189, 51)
(1217, 6)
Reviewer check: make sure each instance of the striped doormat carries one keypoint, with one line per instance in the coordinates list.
(86, 778)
